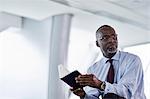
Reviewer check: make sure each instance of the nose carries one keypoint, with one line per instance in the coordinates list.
(112, 39)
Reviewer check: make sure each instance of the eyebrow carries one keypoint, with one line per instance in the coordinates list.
(109, 35)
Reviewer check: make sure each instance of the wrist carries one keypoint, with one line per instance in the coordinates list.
(82, 96)
(102, 86)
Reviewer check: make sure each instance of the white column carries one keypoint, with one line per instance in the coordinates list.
(58, 54)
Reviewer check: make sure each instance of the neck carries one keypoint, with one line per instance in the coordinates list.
(110, 55)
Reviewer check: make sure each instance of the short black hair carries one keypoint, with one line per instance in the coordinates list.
(105, 26)
(102, 28)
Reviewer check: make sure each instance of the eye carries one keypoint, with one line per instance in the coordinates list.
(104, 38)
(114, 37)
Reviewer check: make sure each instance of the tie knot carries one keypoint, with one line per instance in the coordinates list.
(110, 61)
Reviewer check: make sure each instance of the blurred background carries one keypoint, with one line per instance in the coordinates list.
(38, 35)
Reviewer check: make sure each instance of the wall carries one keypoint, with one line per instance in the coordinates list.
(24, 60)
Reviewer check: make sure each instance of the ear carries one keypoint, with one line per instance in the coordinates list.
(97, 44)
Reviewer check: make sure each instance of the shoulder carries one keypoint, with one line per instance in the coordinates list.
(97, 63)
(129, 55)
(130, 59)
(96, 66)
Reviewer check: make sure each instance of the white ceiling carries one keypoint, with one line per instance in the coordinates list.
(136, 6)
(131, 18)
(129, 11)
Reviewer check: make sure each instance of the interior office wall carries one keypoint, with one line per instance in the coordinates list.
(149, 35)
(29, 56)
(24, 60)
(7, 20)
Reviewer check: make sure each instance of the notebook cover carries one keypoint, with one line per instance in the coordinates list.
(70, 79)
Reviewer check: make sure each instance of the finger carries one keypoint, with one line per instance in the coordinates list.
(85, 76)
(86, 83)
(84, 79)
(78, 89)
(71, 89)
(75, 90)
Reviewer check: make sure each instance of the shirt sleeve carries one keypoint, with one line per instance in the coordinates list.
(91, 93)
(129, 82)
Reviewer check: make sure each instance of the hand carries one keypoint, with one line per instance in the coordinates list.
(88, 80)
(79, 92)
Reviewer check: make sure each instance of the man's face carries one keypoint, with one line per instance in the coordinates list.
(108, 43)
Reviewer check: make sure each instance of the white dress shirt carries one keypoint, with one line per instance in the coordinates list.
(128, 80)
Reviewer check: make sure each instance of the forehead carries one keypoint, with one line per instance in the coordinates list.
(106, 31)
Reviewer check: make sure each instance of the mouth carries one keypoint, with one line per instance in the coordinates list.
(112, 49)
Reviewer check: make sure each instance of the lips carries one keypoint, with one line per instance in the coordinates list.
(111, 48)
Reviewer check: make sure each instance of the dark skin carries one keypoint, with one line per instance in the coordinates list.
(108, 43)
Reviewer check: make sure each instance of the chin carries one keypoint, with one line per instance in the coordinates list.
(110, 55)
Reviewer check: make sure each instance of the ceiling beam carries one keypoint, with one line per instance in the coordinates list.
(7, 20)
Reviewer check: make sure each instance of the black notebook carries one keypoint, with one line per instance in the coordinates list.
(69, 78)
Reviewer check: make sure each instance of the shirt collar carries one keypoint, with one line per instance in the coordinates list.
(115, 57)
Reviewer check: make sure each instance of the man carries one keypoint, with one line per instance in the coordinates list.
(118, 75)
